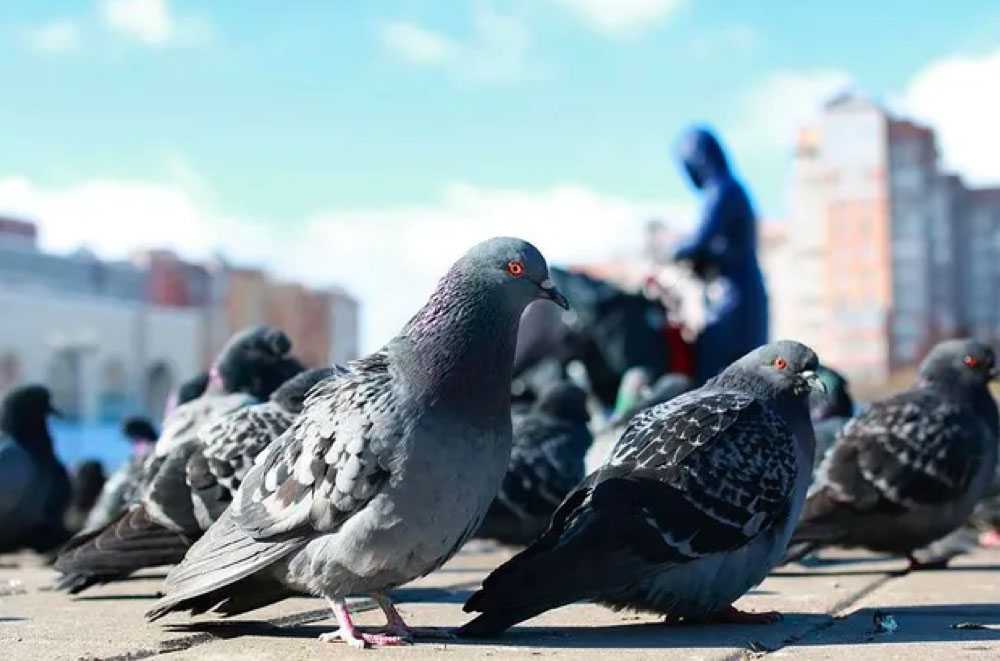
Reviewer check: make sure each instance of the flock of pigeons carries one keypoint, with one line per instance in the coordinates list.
(270, 480)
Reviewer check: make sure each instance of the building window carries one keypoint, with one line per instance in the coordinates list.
(159, 382)
(113, 398)
(64, 380)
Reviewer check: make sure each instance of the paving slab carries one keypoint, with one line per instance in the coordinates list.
(107, 622)
(944, 614)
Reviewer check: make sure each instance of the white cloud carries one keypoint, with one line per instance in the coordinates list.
(772, 111)
(154, 23)
(725, 41)
(496, 51)
(416, 44)
(61, 36)
(960, 97)
(390, 258)
(618, 17)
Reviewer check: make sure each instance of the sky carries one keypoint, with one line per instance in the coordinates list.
(369, 144)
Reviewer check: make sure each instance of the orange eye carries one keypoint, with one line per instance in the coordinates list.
(970, 361)
(515, 268)
(780, 363)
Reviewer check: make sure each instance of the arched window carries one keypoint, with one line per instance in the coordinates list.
(64, 382)
(113, 397)
(159, 382)
(10, 371)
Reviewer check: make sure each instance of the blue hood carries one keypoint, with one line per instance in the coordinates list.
(703, 158)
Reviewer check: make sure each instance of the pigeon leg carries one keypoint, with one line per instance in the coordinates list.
(396, 626)
(732, 615)
(349, 634)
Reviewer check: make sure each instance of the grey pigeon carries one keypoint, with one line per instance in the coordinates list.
(911, 468)
(389, 469)
(35, 488)
(160, 527)
(694, 507)
(830, 410)
(546, 463)
(124, 486)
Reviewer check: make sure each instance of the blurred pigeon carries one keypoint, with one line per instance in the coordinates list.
(389, 469)
(694, 507)
(87, 482)
(162, 525)
(645, 395)
(911, 468)
(830, 410)
(546, 463)
(124, 486)
(34, 487)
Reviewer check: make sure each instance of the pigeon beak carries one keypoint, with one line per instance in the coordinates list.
(813, 381)
(548, 290)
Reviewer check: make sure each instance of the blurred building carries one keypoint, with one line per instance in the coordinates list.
(111, 338)
(883, 253)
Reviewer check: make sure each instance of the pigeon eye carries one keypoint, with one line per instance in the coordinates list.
(515, 268)
(970, 361)
(780, 363)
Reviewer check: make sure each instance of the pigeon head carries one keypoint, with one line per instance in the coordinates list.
(635, 382)
(24, 416)
(565, 401)
(777, 369)
(962, 362)
(139, 430)
(192, 388)
(836, 401)
(291, 395)
(513, 267)
(256, 361)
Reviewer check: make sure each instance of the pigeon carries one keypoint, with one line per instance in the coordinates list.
(35, 489)
(693, 508)
(123, 487)
(830, 410)
(189, 390)
(160, 527)
(88, 481)
(645, 395)
(911, 468)
(389, 469)
(546, 463)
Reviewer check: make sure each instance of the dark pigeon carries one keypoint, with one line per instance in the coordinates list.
(694, 507)
(389, 469)
(159, 528)
(830, 410)
(35, 488)
(124, 486)
(546, 463)
(911, 468)
(647, 394)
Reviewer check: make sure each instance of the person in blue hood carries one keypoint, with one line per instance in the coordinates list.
(724, 247)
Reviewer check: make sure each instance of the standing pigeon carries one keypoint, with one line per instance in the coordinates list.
(160, 528)
(830, 410)
(911, 468)
(389, 469)
(35, 488)
(694, 507)
(546, 463)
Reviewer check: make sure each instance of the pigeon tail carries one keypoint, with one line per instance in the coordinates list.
(129, 543)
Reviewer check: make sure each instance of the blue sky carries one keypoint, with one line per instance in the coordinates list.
(238, 126)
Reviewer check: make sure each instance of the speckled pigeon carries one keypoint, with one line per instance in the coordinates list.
(389, 469)
(546, 463)
(162, 525)
(693, 508)
(911, 468)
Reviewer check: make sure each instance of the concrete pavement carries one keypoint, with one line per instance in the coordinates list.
(829, 613)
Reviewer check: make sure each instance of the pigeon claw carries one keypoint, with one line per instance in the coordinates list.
(362, 639)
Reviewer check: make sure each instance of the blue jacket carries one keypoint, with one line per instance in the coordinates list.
(725, 244)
